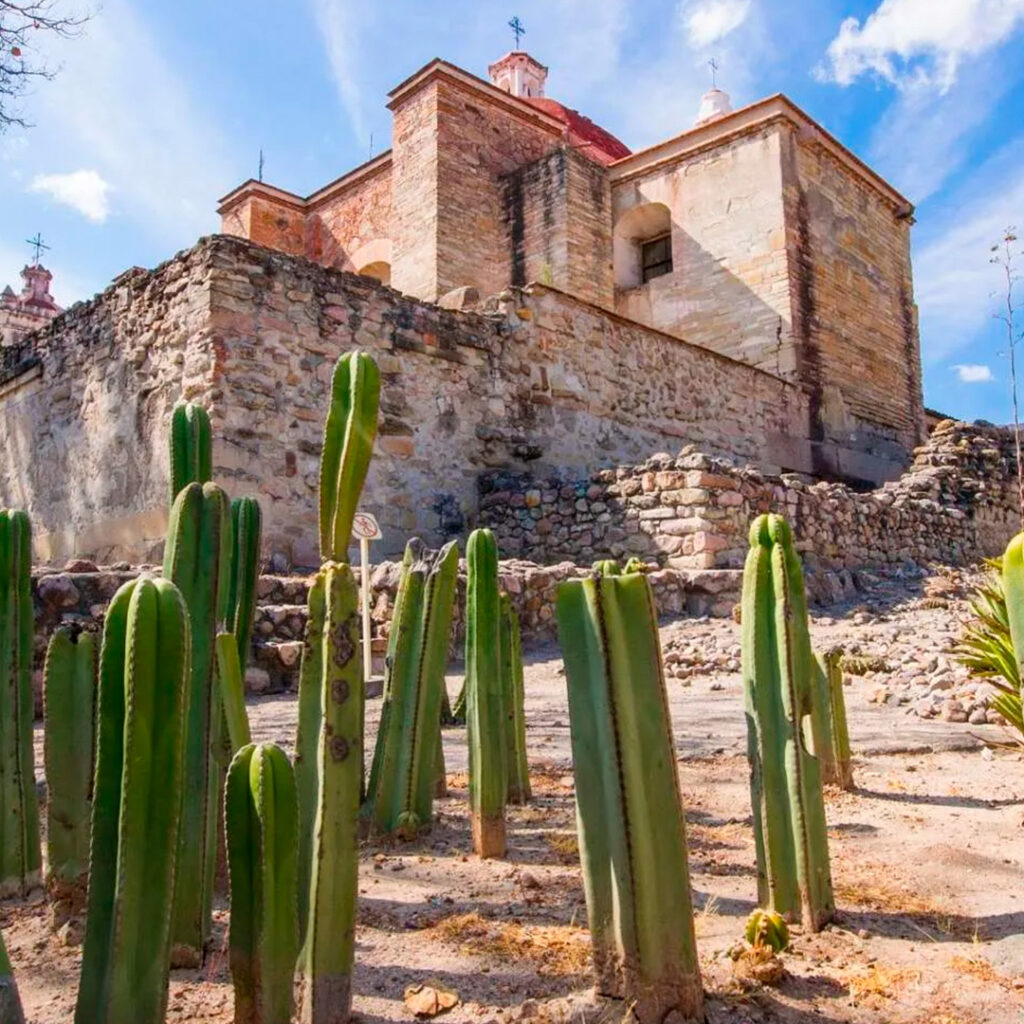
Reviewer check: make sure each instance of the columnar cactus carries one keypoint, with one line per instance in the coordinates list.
(190, 447)
(244, 573)
(485, 705)
(400, 796)
(629, 810)
(515, 720)
(232, 691)
(1013, 587)
(329, 755)
(20, 851)
(69, 695)
(828, 720)
(137, 801)
(794, 877)
(195, 560)
(261, 822)
(10, 1002)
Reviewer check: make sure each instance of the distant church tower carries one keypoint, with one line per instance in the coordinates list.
(519, 74)
(33, 308)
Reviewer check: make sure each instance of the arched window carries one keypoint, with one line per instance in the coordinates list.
(642, 245)
(379, 270)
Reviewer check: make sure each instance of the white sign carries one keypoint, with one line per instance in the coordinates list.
(364, 526)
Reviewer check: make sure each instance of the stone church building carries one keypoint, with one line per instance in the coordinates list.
(540, 299)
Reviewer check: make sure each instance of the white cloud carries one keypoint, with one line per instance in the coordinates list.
(973, 373)
(337, 22)
(84, 191)
(710, 20)
(919, 41)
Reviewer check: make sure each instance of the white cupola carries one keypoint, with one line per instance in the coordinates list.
(713, 105)
(519, 74)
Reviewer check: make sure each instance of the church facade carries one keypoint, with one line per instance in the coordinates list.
(754, 233)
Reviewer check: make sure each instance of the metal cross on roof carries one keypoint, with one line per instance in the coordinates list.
(713, 64)
(39, 246)
(517, 26)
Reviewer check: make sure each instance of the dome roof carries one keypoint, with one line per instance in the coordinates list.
(599, 145)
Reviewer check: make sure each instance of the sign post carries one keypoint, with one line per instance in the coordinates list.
(364, 526)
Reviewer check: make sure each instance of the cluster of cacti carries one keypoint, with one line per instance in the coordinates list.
(329, 754)
(137, 805)
(20, 850)
(794, 877)
(629, 811)
(69, 699)
(486, 721)
(515, 719)
(195, 560)
(828, 720)
(407, 758)
(261, 822)
(191, 447)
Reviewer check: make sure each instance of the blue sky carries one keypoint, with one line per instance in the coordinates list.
(161, 107)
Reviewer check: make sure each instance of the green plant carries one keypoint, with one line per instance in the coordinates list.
(400, 795)
(329, 755)
(137, 804)
(196, 561)
(485, 703)
(790, 836)
(232, 691)
(69, 696)
(261, 822)
(10, 1002)
(515, 719)
(766, 928)
(191, 448)
(830, 732)
(243, 573)
(20, 851)
(632, 833)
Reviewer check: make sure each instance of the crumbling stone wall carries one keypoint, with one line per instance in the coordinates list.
(957, 503)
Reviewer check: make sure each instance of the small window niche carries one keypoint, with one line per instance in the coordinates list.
(655, 257)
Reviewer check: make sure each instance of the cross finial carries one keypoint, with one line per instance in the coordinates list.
(517, 27)
(713, 64)
(38, 245)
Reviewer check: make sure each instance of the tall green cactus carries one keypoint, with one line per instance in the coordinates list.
(1013, 587)
(137, 801)
(261, 822)
(232, 692)
(519, 791)
(10, 1002)
(20, 851)
(400, 796)
(485, 704)
(191, 447)
(828, 720)
(629, 810)
(195, 560)
(244, 573)
(69, 696)
(325, 963)
(329, 754)
(794, 877)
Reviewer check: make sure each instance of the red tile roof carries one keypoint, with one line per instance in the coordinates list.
(591, 139)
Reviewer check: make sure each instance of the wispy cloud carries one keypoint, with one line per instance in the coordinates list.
(913, 42)
(973, 373)
(338, 24)
(84, 191)
(708, 21)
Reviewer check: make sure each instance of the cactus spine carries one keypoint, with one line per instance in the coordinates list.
(785, 779)
(244, 573)
(69, 695)
(515, 720)
(195, 560)
(20, 851)
(10, 1002)
(232, 692)
(329, 755)
(400, 797)
(261, 821)
(137, 801)
(190, 447)
(828, 720)
(629, 810)
(485, 704)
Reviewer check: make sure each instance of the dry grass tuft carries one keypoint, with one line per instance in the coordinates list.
(980, 968)
(758, 965)
(565, 844)
(554, 950)
(880, 983)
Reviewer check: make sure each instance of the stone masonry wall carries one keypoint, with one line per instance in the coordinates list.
(957, 503)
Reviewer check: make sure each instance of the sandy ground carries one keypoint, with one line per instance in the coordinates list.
(928, 865)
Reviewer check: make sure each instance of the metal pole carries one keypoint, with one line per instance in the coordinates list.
(364, 556)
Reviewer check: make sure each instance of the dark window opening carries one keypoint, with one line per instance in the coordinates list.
(656, 257)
